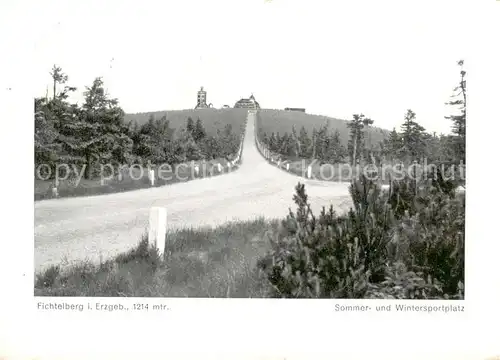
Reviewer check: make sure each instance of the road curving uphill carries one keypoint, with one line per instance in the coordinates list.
(97, 227)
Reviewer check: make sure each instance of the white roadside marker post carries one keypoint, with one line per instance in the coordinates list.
(219, 167)
(157, 232)
(55, 193)
(287, 167)
(309, 171)
(151, 175)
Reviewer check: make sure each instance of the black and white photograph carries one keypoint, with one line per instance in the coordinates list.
(272, 150)
(249, 179)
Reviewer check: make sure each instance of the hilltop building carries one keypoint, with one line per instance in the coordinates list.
(249, 103)
(202, 100)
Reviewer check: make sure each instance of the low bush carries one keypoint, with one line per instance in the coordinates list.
(407, 243)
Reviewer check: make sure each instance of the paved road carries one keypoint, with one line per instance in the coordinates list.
(102, 226)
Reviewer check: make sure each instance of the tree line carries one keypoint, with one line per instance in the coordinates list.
(411, 143)
(95, 133)
(324, 145)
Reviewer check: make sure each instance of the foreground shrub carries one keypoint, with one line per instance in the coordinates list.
(434, 241)
(405, 244)
(400, 283)
(429, 235)
(333, 256)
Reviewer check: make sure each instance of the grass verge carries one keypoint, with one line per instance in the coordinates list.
(204, 262)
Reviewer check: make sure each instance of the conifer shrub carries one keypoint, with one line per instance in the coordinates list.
(400, 283)
(404, 244)
(429, 235)
(331, 256)
(434, 241)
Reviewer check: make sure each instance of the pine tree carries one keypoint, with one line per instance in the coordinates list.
(153, 141)
(265, 139)
(447, 148)
(296, 142)
(279, 142)
(187, 149)
(460, 103)
(367, 122)
(58, 77)
(356, 142)
(305, 144)
(322, 143)
(99, 133)
(313, 143)
(273, 142)
(46, 147)
(413, 137)
(58, 106)
(190, 126)
(392, 146)
(228, 140)
(211, 148)
(199, 131)
(287, 145)
(335, 151)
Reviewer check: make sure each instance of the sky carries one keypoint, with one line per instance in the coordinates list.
(334, 58)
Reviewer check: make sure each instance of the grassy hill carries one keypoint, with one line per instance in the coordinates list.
(282, 121)
(270, 121)
(213, 119)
